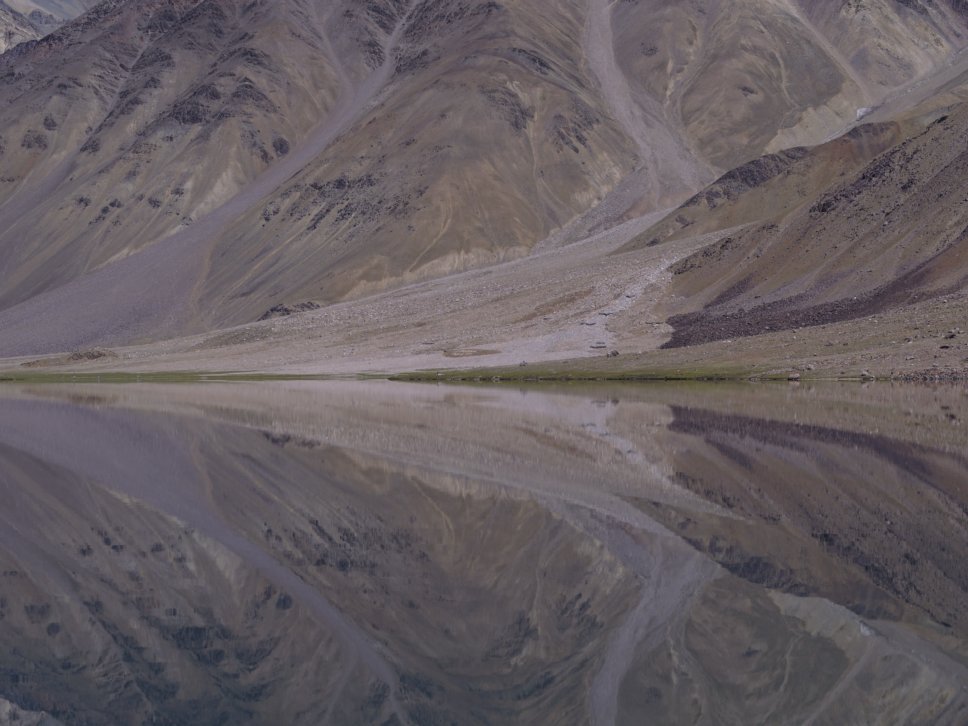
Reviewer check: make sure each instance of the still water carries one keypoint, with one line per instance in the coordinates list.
(368, 553)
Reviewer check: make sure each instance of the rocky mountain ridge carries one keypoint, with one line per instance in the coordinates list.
(15, 28)
(47, 15)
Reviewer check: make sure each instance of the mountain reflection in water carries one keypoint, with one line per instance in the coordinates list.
(350, 552)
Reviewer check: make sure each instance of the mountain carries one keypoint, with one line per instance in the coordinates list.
(14, 28)
(262, 91)
(743, 78)
(351, 148)
(46, 15)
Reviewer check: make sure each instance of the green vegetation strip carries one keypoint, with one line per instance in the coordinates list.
(537, 374)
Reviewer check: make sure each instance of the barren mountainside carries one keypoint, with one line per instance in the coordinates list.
(815, 247)
(174, 167)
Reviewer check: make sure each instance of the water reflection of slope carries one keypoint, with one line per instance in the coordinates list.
(481, 554)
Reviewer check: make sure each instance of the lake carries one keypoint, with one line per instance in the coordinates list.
(354, 552)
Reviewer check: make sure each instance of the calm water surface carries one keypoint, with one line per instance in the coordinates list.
(369, 553)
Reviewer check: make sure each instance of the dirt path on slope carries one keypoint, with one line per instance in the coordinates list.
(670, 164)
(834, 54)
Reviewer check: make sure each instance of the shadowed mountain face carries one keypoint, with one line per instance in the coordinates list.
(318, 553)
(251, 155)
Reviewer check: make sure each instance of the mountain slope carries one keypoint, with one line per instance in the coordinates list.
(350, 148)
(743, 78)
(872, 238)
(105, 209)
(842, 258)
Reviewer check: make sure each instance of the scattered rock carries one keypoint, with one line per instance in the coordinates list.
(934, 375)
(280, 145)
(282, 311)
(34, 140)
(75, 357)
(93, 354)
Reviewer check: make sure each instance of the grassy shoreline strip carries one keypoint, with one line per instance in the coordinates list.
(535, 374)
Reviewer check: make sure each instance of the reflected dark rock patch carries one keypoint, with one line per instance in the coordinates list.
(890, 511)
